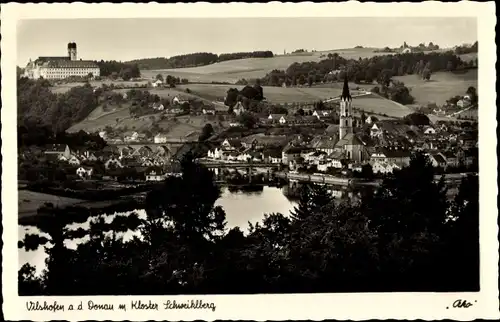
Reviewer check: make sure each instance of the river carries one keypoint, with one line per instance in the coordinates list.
(240, 208)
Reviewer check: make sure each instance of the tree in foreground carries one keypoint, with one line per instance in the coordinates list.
(405, 236)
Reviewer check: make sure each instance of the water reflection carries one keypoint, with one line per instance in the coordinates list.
(242, 205)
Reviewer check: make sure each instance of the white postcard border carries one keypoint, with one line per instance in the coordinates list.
(354, 306)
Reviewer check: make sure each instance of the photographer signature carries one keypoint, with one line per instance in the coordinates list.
(461, 304)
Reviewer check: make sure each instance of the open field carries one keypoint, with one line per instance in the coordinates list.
(375, 104)
(29, 201)
(62, 88)
(168, 93)
(468, 57)
(251, 68)
(115, 117)
(272, 94)
(441, 86)
(183, 127)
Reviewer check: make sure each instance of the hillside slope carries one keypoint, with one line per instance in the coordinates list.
(250, 68)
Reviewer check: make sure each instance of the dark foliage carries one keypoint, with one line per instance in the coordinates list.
(196, 59)
(364, 70)
(115, 69)
(405, 236)
(417, 119)
(37, 104)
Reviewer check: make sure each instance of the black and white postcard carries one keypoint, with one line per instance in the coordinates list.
(249, 161)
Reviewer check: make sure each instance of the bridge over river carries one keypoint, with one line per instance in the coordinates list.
(239, 165)
(167, 148)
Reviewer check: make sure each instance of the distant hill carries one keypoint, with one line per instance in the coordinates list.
(252, 68)
(196, 59)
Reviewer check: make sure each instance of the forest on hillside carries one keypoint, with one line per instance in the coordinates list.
(38, 105)
(196, 59)
(116, 69)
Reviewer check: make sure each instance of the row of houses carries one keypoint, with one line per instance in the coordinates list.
(328, 151)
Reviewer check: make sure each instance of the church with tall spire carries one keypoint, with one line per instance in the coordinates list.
(346, 115)
(349, 146)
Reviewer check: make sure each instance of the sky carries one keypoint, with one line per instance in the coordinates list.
(127, 39)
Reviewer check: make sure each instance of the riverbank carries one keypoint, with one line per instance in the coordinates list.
(450, 178)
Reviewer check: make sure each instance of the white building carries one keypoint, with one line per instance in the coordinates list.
(177, 101)
(61, 67)
(238, 108)
(160, 138)
(320, 113)
(84, 172)
(209, 110)
(215, 154)
(73, 160)
(157, 83)
(155, 175)
(429, 130)
(384, 167)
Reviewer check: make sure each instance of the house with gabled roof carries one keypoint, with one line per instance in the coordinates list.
(335, 159)
(155, 174)
(209, 110)
(74, 160)
(319, 113)
(157, 83)
(58, 149)
(400, 157)
(275, 118)
(293, 153)
(238, 108)
(384, 167)
(429, 130)
(272, 155)
(231, 144)
(84, 172)
(112, 163)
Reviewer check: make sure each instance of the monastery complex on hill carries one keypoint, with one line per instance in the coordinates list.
(61, 67)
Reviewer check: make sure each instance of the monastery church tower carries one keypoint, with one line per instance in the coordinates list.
(346, 115)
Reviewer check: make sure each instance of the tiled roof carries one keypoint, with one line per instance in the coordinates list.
(55, 147)
(49, 58)
(234, 142)
(274, 153)
(277, 116)
(394, 153)
(156, 170)
(324, 142)
(265, 139)
(332, 128)
(350, 139)
(70, 64)
(294, 149)
(336, 155)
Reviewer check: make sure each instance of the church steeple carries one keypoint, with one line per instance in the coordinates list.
(346, 115)
(345, 91)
